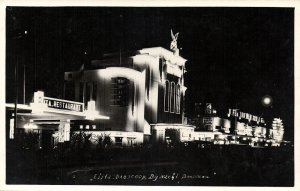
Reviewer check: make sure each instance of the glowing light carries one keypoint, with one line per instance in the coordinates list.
(266, 100)
(30, 126)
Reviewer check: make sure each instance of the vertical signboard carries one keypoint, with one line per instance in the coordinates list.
(11, 128)
(67, 132)
(64, 131)
(61, 133)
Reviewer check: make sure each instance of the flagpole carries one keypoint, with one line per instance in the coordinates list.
(24, 84)
(16, 95)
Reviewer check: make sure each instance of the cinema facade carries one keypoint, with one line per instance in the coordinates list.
(134, 99)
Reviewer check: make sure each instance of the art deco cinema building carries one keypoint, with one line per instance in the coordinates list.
(142, 94)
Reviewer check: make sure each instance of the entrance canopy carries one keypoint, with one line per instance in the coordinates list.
(49, 109)
(51, 114)
(45, 111)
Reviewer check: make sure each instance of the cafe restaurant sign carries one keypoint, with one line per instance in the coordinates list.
(41, 102)
(63, 104)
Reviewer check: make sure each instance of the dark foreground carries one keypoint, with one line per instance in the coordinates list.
(213, 166)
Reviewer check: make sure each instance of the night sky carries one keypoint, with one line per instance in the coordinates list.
(235, 55)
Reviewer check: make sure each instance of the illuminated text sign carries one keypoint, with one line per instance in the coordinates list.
(242, 115)
(63, 104)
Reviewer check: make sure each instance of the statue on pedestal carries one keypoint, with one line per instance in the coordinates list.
(173, 45)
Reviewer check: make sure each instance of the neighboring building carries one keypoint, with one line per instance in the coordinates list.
(209, 126)
(206, 119)
(216, 124)
(236, 128)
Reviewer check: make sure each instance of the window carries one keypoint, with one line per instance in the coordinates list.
(133, 98)
(118, 141)
(160, 67)
(164, 73)
(131, 141)
(166, 96)
(177, 106)
(148, 80)
(120, 92)
(172, 97)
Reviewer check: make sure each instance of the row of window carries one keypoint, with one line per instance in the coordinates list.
(120, 91)
(172, 97)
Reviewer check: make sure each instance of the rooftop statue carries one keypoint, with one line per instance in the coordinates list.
(173, 45)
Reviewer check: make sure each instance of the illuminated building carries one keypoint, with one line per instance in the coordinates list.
(142, 94)
(137, 94)
(277, 131)
(134, 98)
(236, 127)
(209, 126)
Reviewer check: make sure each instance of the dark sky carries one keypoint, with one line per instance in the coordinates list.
(235, 55)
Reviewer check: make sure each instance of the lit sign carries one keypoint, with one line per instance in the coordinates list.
(63, 104)
(242, 115)
(11, 128)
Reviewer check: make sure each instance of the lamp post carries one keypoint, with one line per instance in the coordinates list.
(19, 36)
(267, 102)
(235, 124)
(16, 95)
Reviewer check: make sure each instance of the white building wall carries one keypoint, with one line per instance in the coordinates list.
(259, 131)
(203, 136)
(240, 127)
(227, 125)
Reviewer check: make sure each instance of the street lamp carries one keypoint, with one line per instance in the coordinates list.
(235, 123)
(15, 38)
(267, 101)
